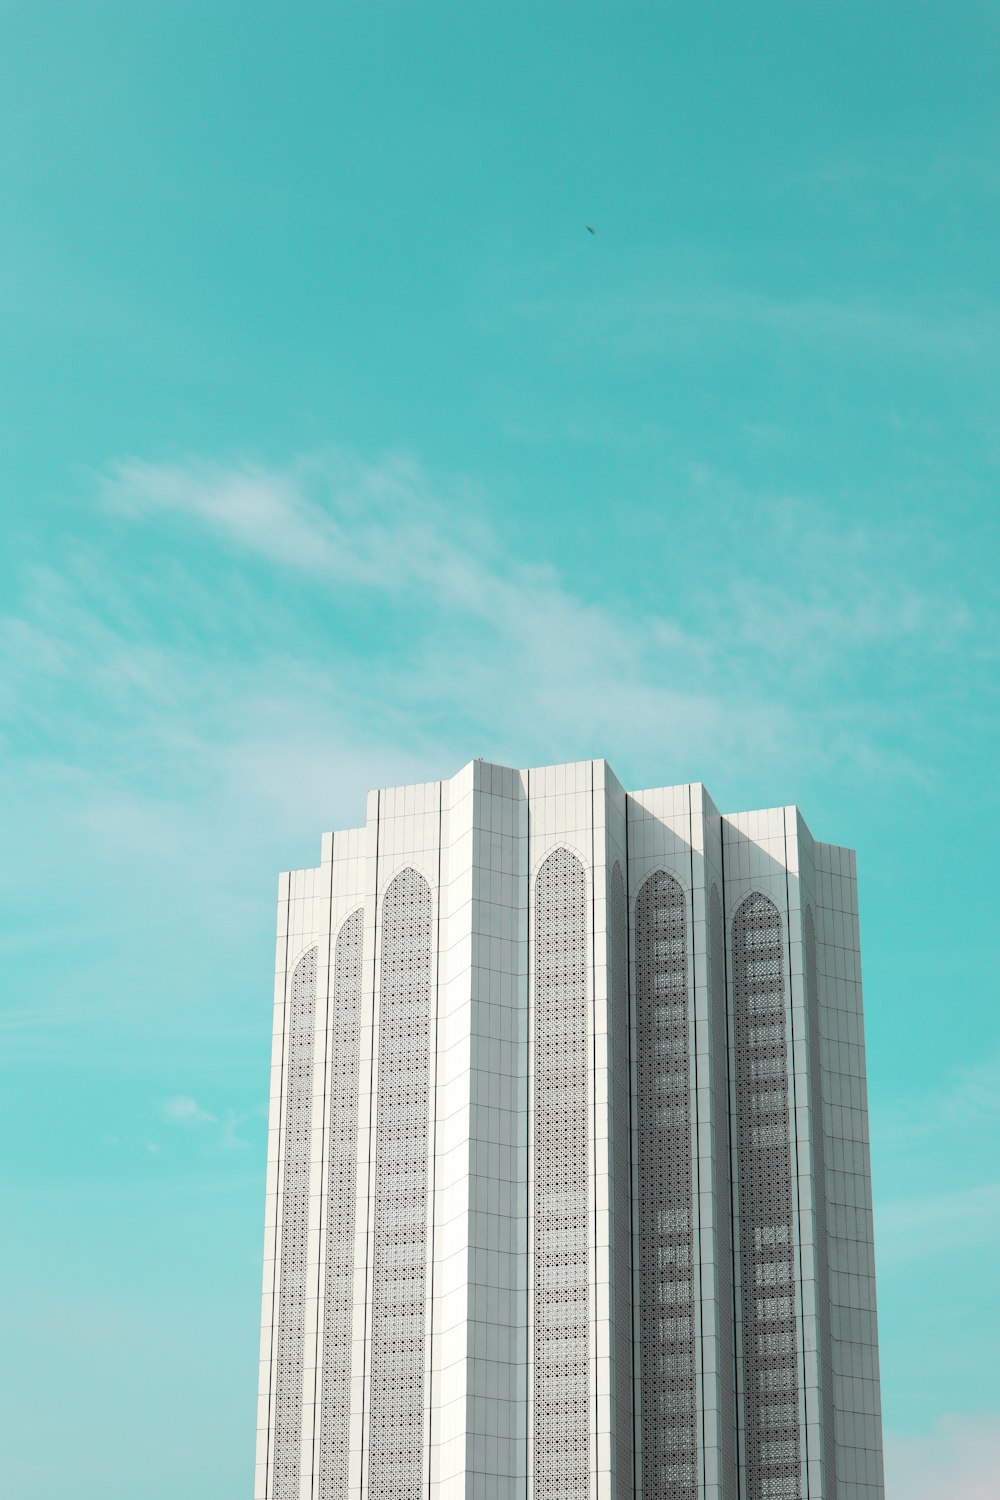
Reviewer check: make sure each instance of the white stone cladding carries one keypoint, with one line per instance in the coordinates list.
(544, 1301)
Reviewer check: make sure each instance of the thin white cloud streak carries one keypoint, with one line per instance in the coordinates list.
(958, 1460)
(377, 525)
(639, 320)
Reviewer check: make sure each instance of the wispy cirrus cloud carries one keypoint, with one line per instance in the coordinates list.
(640, 320)
(735, 668)
(375, 524)
(487, 637)
(184, 1111)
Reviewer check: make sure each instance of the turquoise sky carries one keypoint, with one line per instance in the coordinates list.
(336, 451)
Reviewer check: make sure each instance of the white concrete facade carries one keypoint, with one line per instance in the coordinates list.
(568, 1189)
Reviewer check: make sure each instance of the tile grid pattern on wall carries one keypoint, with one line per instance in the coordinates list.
(298, 1086)
(821, 1235)
(561, 1429)
(666, 1193)
(399, 1270)
(848, 1177)
(767, 1249)
(341, 1183)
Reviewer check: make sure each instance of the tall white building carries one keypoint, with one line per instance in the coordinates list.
(568, 1191)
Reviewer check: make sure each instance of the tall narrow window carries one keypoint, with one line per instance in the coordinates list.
(298, 1085)
(666, 1193)
(344, 1025)
(399, 1312)
(767, 1252)
(621, 1125)
(561, 1428)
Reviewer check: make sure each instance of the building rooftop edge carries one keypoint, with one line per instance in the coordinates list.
(638, 794)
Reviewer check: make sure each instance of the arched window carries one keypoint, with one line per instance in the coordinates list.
(666, 1192)
(561, 1425)
(344, 1027)
(767, 1252)
(399, 1310)
(292, 1266)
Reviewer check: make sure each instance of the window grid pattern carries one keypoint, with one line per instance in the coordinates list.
(764, 1161)
(621, 1167)
(399, 1311)
(723, 1194)
(829, 1447)
(292, 1269)
(561, 1386)
(341, 1184)
(666, 1193)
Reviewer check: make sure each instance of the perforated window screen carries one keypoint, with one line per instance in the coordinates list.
(819, 1180)
(666, 1195)
(292, 1267)
(767, 1251)
(723, 1194)
(621, 1167)
(561, 1429)
(398, 1327)
(341, 1182)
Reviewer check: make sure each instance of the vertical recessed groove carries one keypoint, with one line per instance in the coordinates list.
(368, 1231)
(292, 1268)
(633, 1435)
(399, 1271)
(344, 1025)
(561, 1395)
(666, 1207)
(620, 1094)
(699, 1277)
(592, 1153)
(767, 1249)
(326, 1146)
(723, 1195)
(797, 1165)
